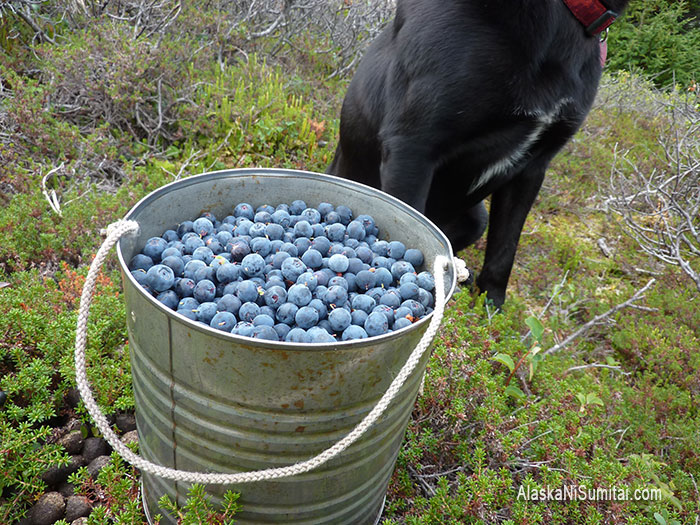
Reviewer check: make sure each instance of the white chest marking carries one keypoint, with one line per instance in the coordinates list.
(543, 121)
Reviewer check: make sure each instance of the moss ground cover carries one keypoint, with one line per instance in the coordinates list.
(615, 409)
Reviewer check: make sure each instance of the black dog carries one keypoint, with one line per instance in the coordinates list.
(461, 99)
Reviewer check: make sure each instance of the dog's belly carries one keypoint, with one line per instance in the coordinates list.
(515, 156)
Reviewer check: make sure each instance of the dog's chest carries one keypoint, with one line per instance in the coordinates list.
(514, 156)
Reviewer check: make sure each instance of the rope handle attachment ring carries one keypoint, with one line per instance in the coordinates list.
(123, 227)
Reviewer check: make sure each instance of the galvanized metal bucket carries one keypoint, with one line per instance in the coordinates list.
(215, 402)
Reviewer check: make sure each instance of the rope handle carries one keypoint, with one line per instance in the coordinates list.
(123, 227)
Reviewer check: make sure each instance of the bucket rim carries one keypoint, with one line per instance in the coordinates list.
(354, 344)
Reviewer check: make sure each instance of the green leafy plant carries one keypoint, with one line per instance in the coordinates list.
(198, 509)
(532, 357)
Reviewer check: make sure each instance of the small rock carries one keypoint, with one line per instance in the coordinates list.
(94, 447)
(80, 521)
(97, 464)
(3, 397)
(77, 507)
(56, 475)
(72, 397)
(130, 437)
(125, 422)
(72, 442)
(66, 489)
(49, 509)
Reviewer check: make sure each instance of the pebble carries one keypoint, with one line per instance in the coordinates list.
(48, 509)
(130, 437)
(94, 447)
(80, 521)
(77, 507)
(56, 475)
(72, 442)
(125, 422)
(96, 465)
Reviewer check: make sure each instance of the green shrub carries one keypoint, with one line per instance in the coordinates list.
(654, 37)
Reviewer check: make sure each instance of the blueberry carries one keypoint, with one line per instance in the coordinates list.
(402, 323)
(140, 262)
(365, 279)
(306, 317)
(244, 210)
(320, 308)
(338, 263)
(203, 227)
(257, 230)
(383, 277)
(297, 335)
(356, 230)
(206, 312)
(247, 291)
(409, 291)
(292, 268)
(387, 311)
(192, 243)
(336, 296)
(303, 229)
(275, 296)
(339, 281)
(391, 298)
(188, 303)
(401, 267)
(358, 317)
(363, 302)
(238, 249)
(344, 213)
(172, 251)
(141, 276)
(381, 248)
(426, 281)
(396, 249)
(261, 245)
(204, 291)
(243, 328)
(204, 273)
(318, 335)
(154, 247)
(286, 313)
(282, 218)
(282, 330)
(252, 265)
(332, 217)
(263, 319)
(414, 256)
(160, 277)
(262, 216)
(376, 324)
(176, 264)
(274, 232)
(322, 244)
(339, 319)
(224, 321)
(425, 298)
(408, 278)
(169, 298)
(312, 258)
(299, 294)
(302, 244)
(224, 236)
(227, 273)
(242, 227)
(309, 280)
(354, 332)
(297, 207)
(184, 227)
(248, 311)
(190, 314)
(229, 303)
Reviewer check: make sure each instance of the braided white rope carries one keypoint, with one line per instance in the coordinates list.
(120, 228)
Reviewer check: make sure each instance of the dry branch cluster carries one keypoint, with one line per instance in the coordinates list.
(659, 201)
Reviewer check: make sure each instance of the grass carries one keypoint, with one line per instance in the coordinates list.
(472, 450)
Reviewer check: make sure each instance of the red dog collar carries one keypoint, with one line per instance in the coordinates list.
(593, 14)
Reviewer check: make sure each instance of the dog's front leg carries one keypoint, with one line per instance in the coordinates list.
(407, 170)
(510, 205)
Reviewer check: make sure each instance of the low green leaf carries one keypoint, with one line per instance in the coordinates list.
(593, 399)
(535, 326)
(505, 360)
(659, 518)
(514, 391)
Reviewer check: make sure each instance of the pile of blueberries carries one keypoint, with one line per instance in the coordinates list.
(291, 273)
